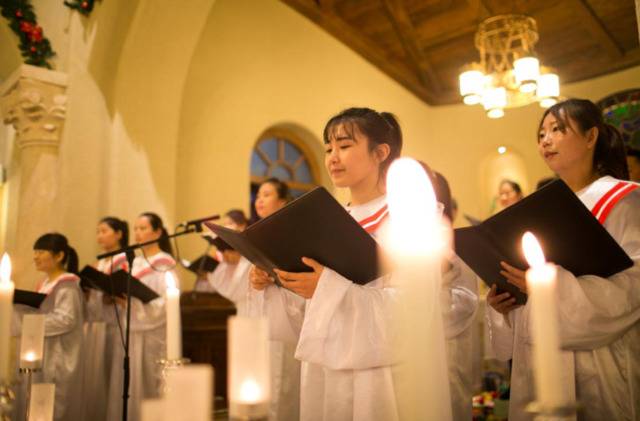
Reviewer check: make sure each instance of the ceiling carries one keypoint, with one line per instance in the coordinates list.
(424, 43)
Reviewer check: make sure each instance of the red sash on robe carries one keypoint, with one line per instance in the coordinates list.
(373, 222)
(608, 201)
(157, 263)
(47, 288)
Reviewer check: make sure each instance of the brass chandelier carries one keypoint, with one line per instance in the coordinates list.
(508, 74)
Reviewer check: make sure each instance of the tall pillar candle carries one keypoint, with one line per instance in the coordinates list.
(547, 357)
(32, 341)
(41, 403)
(6, 310)
(416, 242)
(174, 334)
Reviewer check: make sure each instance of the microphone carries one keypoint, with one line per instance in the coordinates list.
(198, 222)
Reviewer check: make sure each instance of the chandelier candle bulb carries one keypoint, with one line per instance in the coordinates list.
(471, 86)
(548, 89)
(527, 71)
(6, 310)
(494, 101)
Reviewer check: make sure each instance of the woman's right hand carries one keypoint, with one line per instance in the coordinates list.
(259, 279)
(502, 303)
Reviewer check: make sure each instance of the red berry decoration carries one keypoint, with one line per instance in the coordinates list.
(18, 13)
(26, 27)
(33, 49)
(84, 4)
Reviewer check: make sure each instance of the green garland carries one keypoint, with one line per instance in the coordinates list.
(35, 48)
(83, 6)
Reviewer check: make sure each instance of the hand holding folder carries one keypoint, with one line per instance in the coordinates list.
(314, 225)
(568, 233)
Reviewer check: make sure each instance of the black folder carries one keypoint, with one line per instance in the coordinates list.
(569, 234)
(29, 298)
(116, 284)
(218, 243)
(314, 225)
(204, 263)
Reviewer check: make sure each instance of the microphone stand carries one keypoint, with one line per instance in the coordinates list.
(130, 253)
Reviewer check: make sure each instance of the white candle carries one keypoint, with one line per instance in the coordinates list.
(32, 341)
(249, 378)
(547, 358)
(41, 403)
(6, 310)
(189, 393)
(174, 335)
(416, 241)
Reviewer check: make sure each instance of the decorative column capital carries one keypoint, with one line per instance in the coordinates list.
(34, 101)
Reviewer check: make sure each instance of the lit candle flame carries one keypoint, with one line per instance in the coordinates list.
(170, 281)
(532, 250)
(250, 391)
(5, 268)
(30, 356)
(412, 208)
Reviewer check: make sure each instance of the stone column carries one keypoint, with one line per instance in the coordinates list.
(33, 100)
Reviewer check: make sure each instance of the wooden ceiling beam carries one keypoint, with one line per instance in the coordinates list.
(342, 31)
(584, 13)
(403, 27)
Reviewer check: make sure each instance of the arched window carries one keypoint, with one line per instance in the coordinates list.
(281, 154)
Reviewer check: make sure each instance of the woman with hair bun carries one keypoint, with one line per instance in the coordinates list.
(598, 318)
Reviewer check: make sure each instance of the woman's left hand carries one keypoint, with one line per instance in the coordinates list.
(303, 283)
(514, 276)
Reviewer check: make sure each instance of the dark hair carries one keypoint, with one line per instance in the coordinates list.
(515, 186)
(118, 225)
(633, 152)
(58, 243)
(237, 216)
(544, 181)
(609, 155)
(379, 128)
(441, 190)
(156, 224)
(281, 188)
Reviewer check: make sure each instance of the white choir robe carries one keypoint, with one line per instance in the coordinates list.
(63, 346)
(343, 340)
(147, 340)
(101, 335)
(232, 282)
(599, 328)
(459, 305)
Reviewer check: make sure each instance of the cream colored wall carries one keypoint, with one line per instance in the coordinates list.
(259, 63)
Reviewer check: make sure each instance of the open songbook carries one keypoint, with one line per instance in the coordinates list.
(314, 225)
(115, 284)
(567, 231)
(29, 298)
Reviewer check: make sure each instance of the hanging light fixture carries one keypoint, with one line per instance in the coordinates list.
(509, 74)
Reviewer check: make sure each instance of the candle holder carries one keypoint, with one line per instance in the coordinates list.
(552, 413)
(7, 399)
(29, 375)
(167, 365)
(248, 411)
